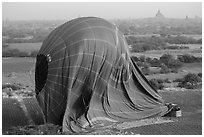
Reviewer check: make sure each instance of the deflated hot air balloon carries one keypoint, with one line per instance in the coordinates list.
(85, 78)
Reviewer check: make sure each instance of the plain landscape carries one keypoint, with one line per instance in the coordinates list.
(167, 51)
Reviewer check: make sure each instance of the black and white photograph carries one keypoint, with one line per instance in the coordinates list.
(101, 68)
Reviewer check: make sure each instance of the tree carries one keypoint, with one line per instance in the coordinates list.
(174, 65)
(192, 78)
(165, 58)
(200, 75)
(164, 69)
(186, 58)
(171, 62)
(135, 58)
(148, 60)
(145, 69)
(142, 58)
(155, 63)
(190, 81)
(156, 84)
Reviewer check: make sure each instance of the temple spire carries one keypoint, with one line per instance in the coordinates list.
(159, 15)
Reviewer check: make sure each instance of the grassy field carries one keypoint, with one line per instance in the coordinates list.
(159, 53)
(18, 70)
(21, 70)
(21, 65)
(17, 65)
(192, 67)
(27, 47)
(191, 46)
(187, 68)
(194, 49)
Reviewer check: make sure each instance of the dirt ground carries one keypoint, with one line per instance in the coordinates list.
(189, 124)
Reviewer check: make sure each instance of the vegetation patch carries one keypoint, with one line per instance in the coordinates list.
(190, 81)
(12, 86)
(187, 58)
(6, 52)
(141, 44)
(157, 84)
(11, 90)
(166, 62)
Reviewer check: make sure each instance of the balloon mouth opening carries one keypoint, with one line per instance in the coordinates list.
(41, 72)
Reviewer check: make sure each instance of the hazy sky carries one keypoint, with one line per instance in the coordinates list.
(62, 10)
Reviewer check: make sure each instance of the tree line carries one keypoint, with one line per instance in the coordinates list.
(141, 44)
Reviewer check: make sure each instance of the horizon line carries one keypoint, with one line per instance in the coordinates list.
(127, 18)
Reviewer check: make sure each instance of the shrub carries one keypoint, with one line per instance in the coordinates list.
(165, 58)
(164, 69)
(174, 65)
(186, 58)
(160, 81)
(167, 80)
(176, 47)
(139, 64)
(145, 70)
(12, 86)
(190, 81)
(142, 64)
(149, 60)
(178, 80)
(156, 84)
(187, 85)
(192, 78)
(142, 58)
(155, 62)
(175, 70)
(200, 75)
(136, 59)
(171, 62)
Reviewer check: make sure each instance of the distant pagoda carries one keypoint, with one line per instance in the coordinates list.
(159, 15)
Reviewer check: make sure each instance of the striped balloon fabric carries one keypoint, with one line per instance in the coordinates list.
(85, 78)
